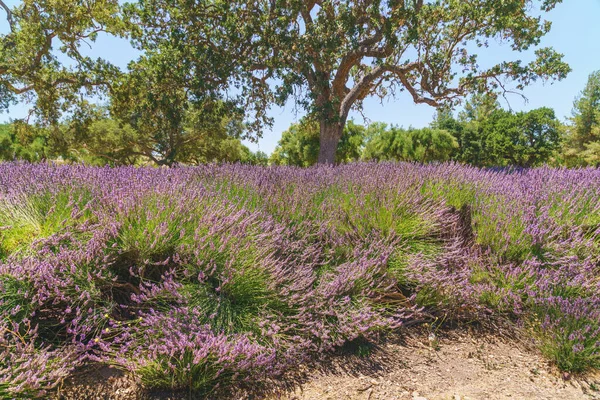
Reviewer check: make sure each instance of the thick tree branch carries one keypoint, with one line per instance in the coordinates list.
(367, 83)
(401, 73)
(25, 89)
(310, 4)
(354, 57)
(15, 90)
(308, 22)
(418, 5)
(363, 85)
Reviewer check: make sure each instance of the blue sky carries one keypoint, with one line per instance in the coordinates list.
(575, 33)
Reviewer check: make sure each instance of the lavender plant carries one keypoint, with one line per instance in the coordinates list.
(197, 278)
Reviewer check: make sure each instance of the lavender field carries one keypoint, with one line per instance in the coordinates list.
(201, 278)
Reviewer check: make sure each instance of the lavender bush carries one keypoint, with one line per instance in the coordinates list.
(193, 278)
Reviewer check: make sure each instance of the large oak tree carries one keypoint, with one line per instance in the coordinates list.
(171, 124)
(332, 54)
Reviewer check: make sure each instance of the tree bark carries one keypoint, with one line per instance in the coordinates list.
(329, 137)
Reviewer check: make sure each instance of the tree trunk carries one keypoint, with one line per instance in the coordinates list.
(330, 134)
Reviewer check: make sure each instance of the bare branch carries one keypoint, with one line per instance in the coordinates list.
(506, 91)
(401, 73)
(9, 16)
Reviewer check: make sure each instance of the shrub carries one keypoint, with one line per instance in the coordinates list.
(217, 276)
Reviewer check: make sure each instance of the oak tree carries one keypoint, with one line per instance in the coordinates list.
(332, 54)
(171, 124)
(524, 139)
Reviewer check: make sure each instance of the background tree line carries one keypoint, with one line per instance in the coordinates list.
(482, 134)
(208, 71)
(102, 140)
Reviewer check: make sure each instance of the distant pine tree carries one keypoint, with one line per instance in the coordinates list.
(582, 146)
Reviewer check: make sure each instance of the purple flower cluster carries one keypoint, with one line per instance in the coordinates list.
(193, 278)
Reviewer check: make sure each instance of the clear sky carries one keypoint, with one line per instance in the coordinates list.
(575, 33)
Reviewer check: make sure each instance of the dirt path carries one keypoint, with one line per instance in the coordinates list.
(463, 367)
(458, 366)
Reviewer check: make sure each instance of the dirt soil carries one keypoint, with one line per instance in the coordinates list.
(456, 366)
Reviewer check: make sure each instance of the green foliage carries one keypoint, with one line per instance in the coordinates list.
(378, 213)
(22, 142)
(41, 58)
(572, 343)
(483, 135)
(171, 125)
(487, 135)
(457, 195)
(107, 141)
(14, 298)
(524, 139)
(255, 158)
(152, 230)
(40, 216)
(591, 154)
(331, 56)
(470, 147)
(582, 145)
(169, 107)
(152, 116)
(177, 372)
(299, 145)
(423, 145)
(6, 142)
(236, 293)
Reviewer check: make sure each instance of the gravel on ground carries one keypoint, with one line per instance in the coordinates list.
(454, 366)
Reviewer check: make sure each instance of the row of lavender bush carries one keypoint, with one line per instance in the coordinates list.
(198, 278)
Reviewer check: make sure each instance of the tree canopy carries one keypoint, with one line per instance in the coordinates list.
(109, 141)
(488, 135)
(330, 54)
(210, 69)
(19, 141)
(41, 57)
(173, 126)
(150, 112)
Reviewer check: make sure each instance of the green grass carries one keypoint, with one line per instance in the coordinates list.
(15, 305)
(40, 216)
(183, 370)
(453, 194)
(232, 300)
(150, 233)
